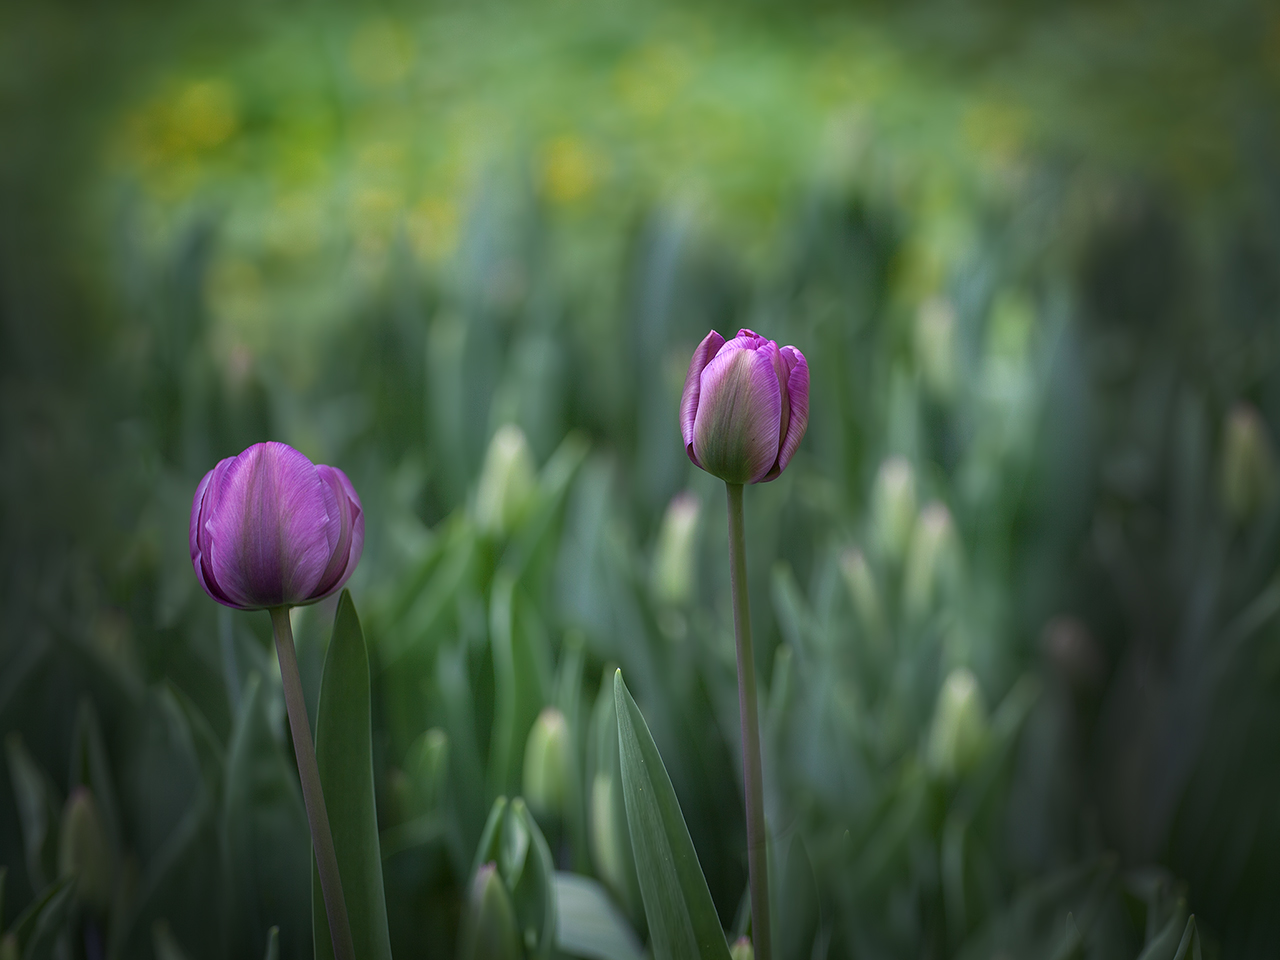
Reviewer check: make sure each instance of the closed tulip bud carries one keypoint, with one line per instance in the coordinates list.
(959, 725)
(893, 506)
(506, 481)
(742, 949)
(929, 560)
(936, 347)
(489, 928)
(427, 768)
(83, 852)
(546, 760)
(673, 560)
(269, 528)
(745, 407)
(862, 588)
(1248, 463)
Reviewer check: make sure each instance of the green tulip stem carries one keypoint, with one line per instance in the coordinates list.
(752, 777)
(317, 816)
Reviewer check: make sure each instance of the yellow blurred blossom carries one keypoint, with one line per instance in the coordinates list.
(569, 168)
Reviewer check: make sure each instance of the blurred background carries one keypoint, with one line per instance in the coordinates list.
(1015, 599)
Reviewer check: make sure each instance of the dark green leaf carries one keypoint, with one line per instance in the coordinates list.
(53, 903)
(683, 923)
(344, 754)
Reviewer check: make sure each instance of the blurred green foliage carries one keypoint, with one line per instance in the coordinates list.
(1015, 598)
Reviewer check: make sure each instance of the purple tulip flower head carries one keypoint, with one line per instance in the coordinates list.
(269, 528)
(745, 407)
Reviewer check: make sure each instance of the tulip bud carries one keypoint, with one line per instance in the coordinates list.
(936, 347)
(506, 482)
(893, 506)
(546, 759)
(959, 725)
(269, 528)
(745, 407)
(1248, 463)
(932, 551)
(427, 768)
(862, 588)
(9, 947)
(742, 949)
(83, 851)
(673, 560)
(489, 930)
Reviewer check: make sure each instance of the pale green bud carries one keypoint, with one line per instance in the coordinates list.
(893, 506)
(427, 769)
(862, 589)
(9, 947)
(930, 559)
(546, 760)
(935, 337)
(506, 482)
(673, 559)
(489, 929)
(83, 851)
(606, 833)
(1248, 463)
(959, 725)
(742, 949)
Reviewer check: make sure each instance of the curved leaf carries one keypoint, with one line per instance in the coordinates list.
(344, 754)
(683, 923)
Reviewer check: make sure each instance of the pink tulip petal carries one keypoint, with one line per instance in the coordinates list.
(269, 527)
(707, 349)
(351, 540)
(736, 428)
(798, 391)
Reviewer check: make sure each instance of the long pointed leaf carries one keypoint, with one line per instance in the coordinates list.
(683, 923)
(344, 753)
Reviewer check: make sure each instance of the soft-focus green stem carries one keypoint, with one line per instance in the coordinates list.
(752, 777)
(317, 816)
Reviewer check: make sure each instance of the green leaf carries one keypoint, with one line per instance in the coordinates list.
(166, 946)
(797, 901)
(38, 812)
(589, 925)
(264, 824)
(46, 912)
(344, 754)
(683, 923)
(273, 944)
(520, 678)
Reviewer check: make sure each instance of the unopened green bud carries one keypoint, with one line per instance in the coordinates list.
(930, 559)
(489, 929)
(893, 506)
(862, 589)
(1248, 463)
(546, 760)
(606, 833)
(673, 559)
(936, 347)
(83, 851)
(9, 947)
(427, 769)
(742, 949)
(959, 725)
(506, 482)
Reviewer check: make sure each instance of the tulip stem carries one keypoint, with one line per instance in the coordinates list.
(752, 776)
(312, 794)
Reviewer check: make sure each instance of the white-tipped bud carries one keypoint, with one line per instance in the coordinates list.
(862, 589)
(930, 560)
(674, 557)
(546, 761)
(427, 768)
(959, 729)
(935, 337)
(83, 852)
(1248, 463)
(506, 482)
(742, 949)
(893, 506)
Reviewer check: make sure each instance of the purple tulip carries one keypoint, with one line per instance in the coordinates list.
(269, 528)
(745, 407)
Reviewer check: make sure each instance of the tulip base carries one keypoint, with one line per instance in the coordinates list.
(752, 773)
(312, 794)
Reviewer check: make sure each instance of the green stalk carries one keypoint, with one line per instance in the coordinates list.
(309, 773)
(752, 777)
